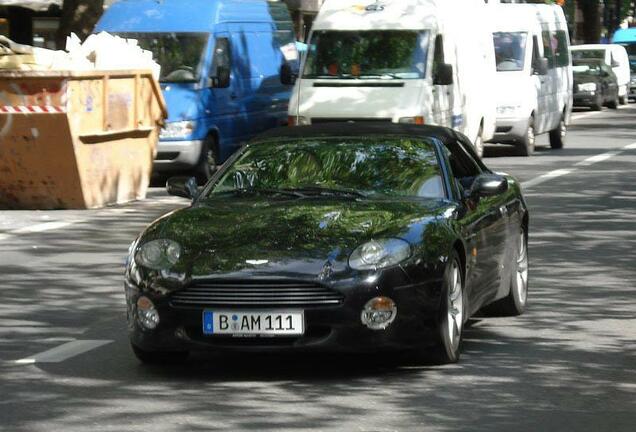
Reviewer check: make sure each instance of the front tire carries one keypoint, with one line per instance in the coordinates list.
(159, 357)
(479, 143)
(557, 136)
(452, 315)
(613, 104)
(526, 146)
(207, 161)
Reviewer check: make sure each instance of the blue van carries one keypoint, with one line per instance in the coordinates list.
(227, 70)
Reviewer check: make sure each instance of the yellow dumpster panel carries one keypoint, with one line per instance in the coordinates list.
(77, 140)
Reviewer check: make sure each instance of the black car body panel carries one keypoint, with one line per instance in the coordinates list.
(304, 244)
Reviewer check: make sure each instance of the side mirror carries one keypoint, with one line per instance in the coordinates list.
(287, 75)
(443, 74)
(221, 78)
(540, 66)
(185, 187)
(487, 185)
(615, 64)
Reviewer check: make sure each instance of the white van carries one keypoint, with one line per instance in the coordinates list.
(534, 75)
(401, 61)
(615, 56)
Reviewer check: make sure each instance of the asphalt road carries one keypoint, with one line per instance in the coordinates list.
(569, 364)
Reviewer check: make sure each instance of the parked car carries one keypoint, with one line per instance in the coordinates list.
(400, 61)
(596, 84)
(534, 75)
(341, 237)
(613, 55)
(226, 72)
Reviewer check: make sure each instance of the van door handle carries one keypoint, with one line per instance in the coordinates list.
(233, 96)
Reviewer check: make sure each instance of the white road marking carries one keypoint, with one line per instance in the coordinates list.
(546, 177)
(63, 352)
(631, 146)
(598, 158)
(47, 226)
(584, 115)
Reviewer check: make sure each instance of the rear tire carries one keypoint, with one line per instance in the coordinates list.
(557, 136)
(526, 145)
(207, 161)
(515, 302)
(598, 103)
(623, 100)
(159, 357)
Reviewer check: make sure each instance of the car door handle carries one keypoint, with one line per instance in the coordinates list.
(233, 96)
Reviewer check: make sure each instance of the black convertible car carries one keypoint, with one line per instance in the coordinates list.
(347, 237)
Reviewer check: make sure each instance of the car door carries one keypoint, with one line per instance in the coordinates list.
(484, 226)
(610, 83)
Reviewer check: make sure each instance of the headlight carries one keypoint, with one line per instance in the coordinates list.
(182, 129)
(158, 254)
(378, 254)
(587, 87)
(508, 110)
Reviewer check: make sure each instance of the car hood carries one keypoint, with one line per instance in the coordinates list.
(240, 237)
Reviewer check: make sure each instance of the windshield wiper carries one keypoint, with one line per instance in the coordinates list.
(382, 75)
(321, 190)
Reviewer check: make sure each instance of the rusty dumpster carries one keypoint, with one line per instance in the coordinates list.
(77, 140)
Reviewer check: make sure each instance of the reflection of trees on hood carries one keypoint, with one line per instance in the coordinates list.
(223, 235)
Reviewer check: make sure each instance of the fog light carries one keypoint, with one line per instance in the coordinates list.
(146, 313)
(379, 313)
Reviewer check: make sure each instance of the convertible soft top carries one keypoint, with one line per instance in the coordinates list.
(361, 129)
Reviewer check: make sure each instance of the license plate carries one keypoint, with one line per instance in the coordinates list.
(253, 323)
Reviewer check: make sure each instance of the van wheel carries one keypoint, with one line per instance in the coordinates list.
(623, 100)
(526, 146)
(557, 136)
(479, 142)
(207, 161)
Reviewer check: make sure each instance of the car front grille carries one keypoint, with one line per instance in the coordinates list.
(256, 293)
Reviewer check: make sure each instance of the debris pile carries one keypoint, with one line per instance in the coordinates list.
(101, 51)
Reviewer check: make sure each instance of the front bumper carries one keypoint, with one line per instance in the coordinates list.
(510, 130)
(177, 155)
(327, 328)
(585, 99)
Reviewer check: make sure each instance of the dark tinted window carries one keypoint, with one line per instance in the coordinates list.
(549, 44)
(562, 49)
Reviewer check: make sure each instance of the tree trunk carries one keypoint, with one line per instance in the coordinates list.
(591, 21)
(79, 17)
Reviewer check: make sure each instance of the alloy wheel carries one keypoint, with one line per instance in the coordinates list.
(521, 285)
(455, 309)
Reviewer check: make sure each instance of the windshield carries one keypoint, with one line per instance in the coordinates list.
(510, 50)
(368, 54)
(588, 54)
(179, 54)
(364, 166)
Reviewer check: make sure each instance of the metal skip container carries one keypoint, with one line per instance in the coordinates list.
(77, 140)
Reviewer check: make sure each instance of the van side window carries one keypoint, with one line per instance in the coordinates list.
(549, 43)
(562, 51)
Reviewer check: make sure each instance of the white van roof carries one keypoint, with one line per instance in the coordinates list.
(389, 15)
(525, 16)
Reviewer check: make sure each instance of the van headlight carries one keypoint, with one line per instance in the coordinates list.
(587, 87)
(181, 129)
(158, 254)
(378, 254)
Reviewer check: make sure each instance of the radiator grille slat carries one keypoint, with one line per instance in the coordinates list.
(268, 293)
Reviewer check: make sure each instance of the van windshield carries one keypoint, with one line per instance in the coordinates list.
(373, 54)
(180, 55)
(510, 50)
